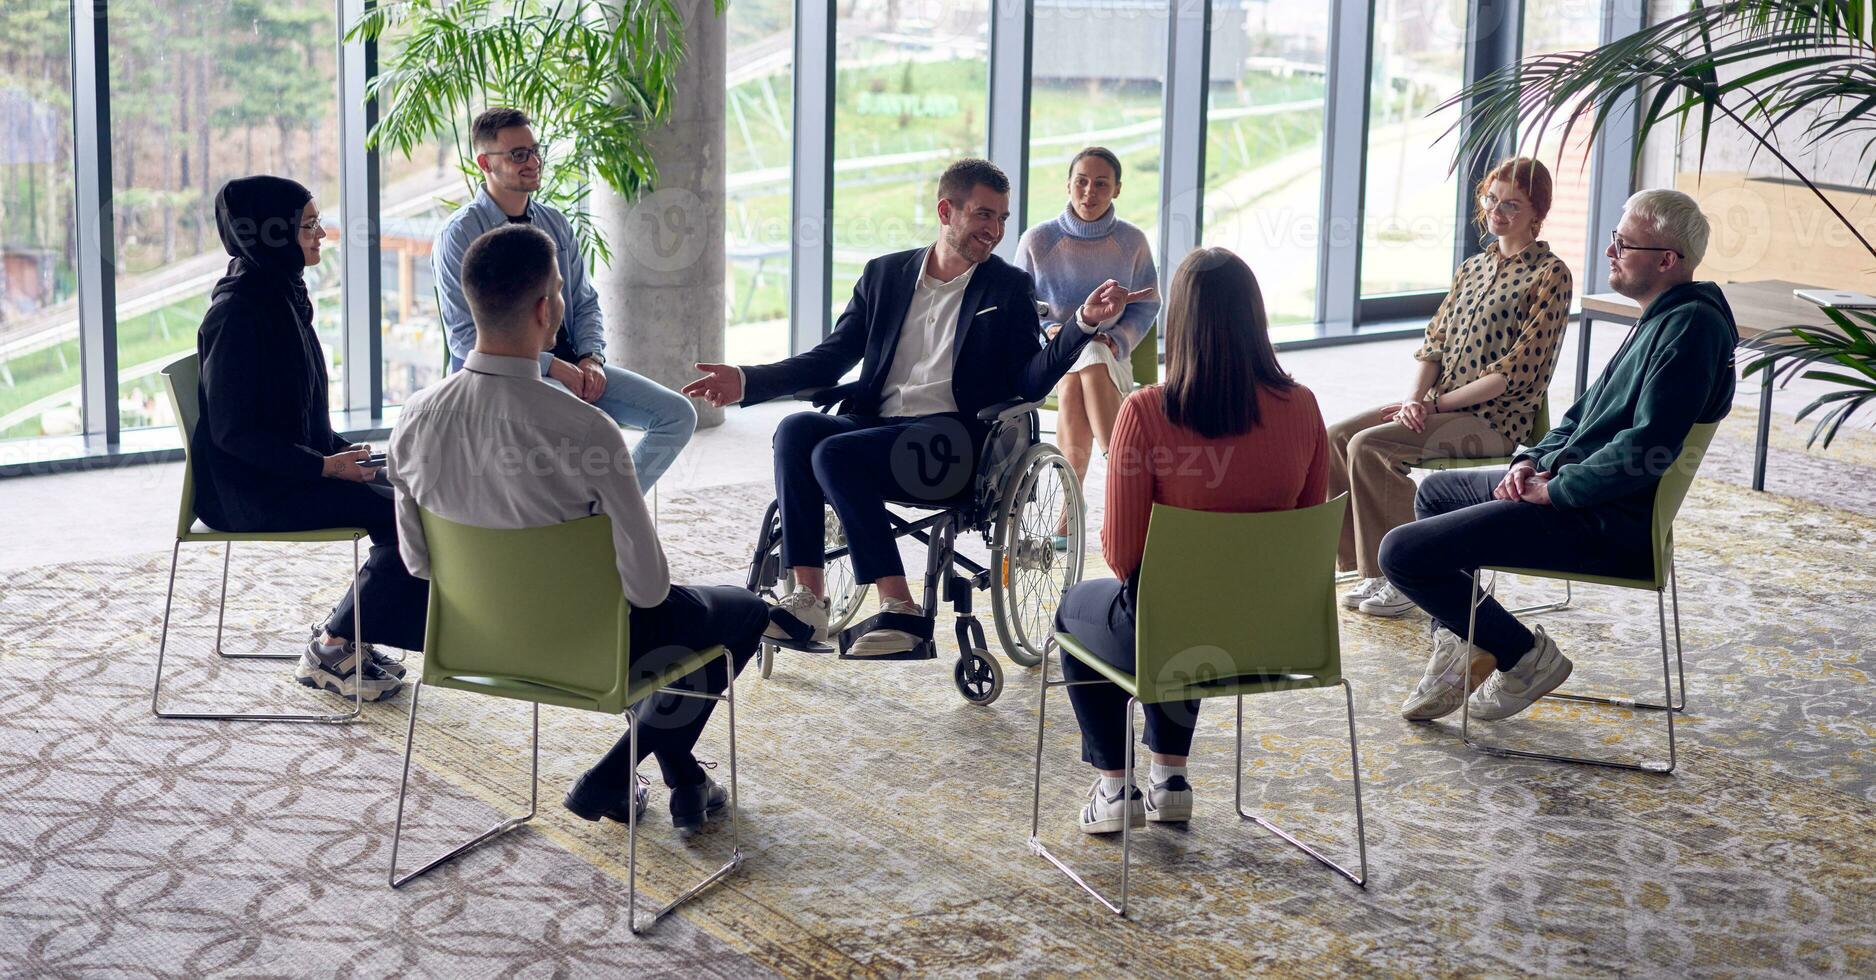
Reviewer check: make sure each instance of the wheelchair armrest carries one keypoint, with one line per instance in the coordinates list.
(1007, 410)
(827, 397)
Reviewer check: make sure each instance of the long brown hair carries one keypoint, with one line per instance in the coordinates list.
(1218, 353)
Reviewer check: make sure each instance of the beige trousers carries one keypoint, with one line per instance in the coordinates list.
(1369, 459)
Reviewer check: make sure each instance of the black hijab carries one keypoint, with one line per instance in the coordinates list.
(259, 221)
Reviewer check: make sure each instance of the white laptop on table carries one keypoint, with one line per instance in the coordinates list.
(1842, 299)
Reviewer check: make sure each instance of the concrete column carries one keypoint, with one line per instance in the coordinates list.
(663, 295)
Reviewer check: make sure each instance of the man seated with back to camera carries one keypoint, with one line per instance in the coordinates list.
(494, 445)
(940, 332)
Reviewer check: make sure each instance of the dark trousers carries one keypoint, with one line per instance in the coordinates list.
(396, 603)
(1099, 613)
(857, 463)
(690, 618)
(1461, 528)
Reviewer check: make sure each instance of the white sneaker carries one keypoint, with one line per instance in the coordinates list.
(1103, 813)
(1169, 801)
(1352, 599)
(1441, 688)
(884, 641)
(1387, 601)
(798, 618)
(1508, 692)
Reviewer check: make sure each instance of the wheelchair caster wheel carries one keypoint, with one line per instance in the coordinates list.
(765, 652)
(978, 676)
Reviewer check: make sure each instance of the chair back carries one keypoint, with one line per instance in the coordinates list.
(1226, 597)
(1145, 359)
(182, 379)
(535, 614)
(1671, 491)
(1540, 425)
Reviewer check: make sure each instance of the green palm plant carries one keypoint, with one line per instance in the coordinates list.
(1759, 64)
(594, 75)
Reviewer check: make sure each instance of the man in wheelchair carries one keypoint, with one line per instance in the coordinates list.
(945, 336)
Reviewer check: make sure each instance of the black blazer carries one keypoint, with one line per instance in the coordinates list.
(264, 427)
(1000, 354)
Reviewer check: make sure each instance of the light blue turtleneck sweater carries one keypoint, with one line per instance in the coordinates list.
(1069, 257)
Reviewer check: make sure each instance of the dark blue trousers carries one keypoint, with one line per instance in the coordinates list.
(1099, 613)
(856, 463)
(1461, 528)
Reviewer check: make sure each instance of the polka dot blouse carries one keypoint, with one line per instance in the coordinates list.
(1502, 316)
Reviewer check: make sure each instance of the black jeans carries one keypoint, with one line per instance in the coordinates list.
(1100, 614)
(1461, 528)
(690, 618)
(397, 603)
(857, 463)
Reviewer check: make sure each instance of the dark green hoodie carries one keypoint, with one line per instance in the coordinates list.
(1674, 370)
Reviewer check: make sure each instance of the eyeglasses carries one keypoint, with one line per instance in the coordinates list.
(1510, 209)
(520, 155)
(1615, 239)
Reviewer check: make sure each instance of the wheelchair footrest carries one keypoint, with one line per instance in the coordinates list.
(920, 627)
(802, 646)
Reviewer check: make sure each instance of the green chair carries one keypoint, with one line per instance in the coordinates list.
(183, 380)
(1213, 624)
(1669, 493)
(538, 615)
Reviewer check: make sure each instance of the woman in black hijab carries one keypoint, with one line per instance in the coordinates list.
(265, 456)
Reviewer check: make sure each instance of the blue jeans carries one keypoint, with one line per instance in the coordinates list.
(667, 417)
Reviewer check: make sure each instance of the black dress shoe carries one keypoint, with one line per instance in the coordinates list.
(694, 805)
(590, 801)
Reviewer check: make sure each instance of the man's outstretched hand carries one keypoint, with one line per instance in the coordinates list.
(1109, 298)
(721, 385)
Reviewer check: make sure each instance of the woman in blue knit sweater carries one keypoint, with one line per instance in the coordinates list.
(1083, 247)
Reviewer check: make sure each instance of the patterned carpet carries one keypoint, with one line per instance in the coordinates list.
(886, 817)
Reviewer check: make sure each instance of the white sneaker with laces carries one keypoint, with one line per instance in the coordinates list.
(1441, 689)
(1508, 692)
(885, 641)
(1103, 813)
(798, 618)
(1352, 599)
(1387, 601)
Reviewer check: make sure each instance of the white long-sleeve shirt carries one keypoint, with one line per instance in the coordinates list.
(918, 382)
(495, 446)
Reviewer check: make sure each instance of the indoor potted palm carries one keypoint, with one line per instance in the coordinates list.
(1757, 63)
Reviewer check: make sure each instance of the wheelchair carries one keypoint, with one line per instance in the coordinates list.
(1019, 492)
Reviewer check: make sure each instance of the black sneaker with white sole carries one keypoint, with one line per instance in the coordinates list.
(335, 669)
(393, 666)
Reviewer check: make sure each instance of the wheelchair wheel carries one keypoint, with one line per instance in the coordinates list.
(978, 676)
(844, 595)
(1028, 576)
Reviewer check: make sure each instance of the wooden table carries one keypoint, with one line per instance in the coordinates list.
(1758, 307)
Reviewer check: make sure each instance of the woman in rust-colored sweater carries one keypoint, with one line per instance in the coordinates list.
(1229, 431)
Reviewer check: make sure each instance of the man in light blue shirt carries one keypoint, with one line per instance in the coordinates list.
(511, 163)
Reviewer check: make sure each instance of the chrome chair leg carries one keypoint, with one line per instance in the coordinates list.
(1354, 756)
(162, 649)
(221, 610)
(403, 786)
(736, 850)
(1667, 682)
(1036, 846)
